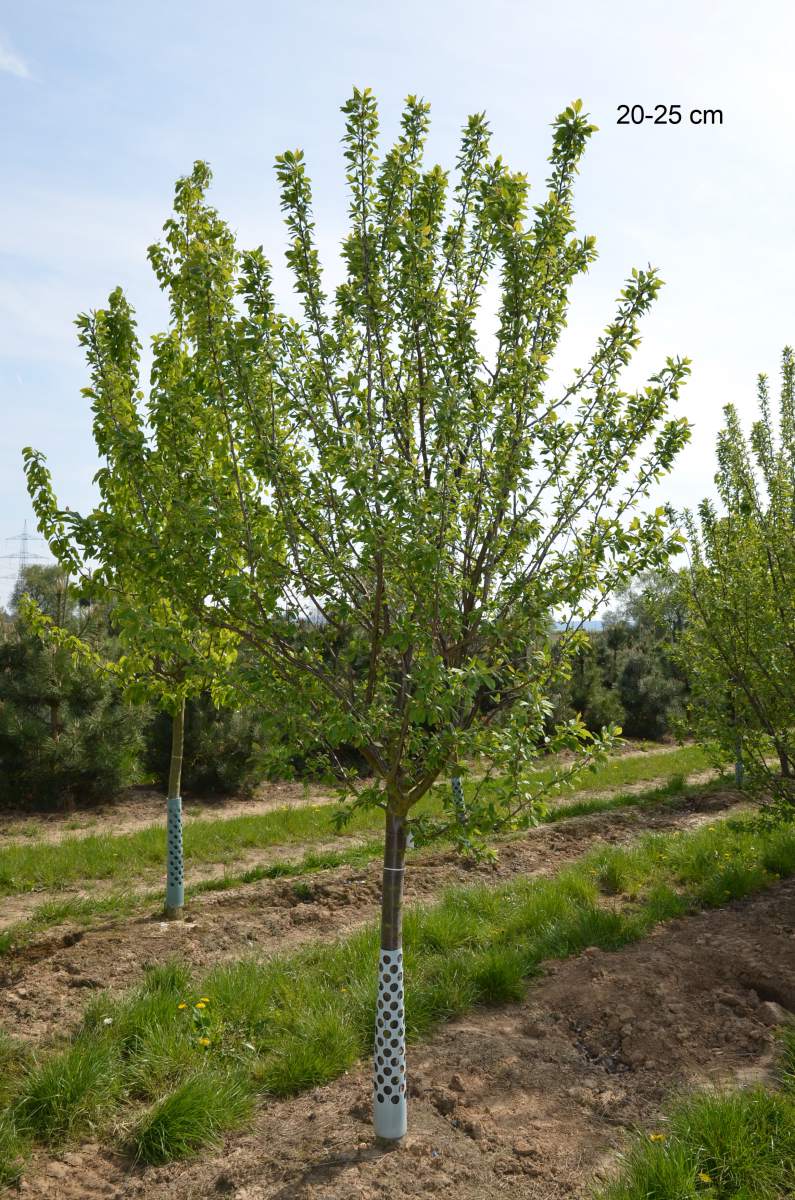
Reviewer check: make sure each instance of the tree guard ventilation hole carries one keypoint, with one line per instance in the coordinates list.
(389, 1076)
(175, 889)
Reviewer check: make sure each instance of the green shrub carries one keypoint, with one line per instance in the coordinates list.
(66, 735)
(221, 748)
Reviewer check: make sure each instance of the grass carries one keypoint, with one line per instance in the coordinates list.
(85, 910)
(788, 1057)
(67, 1093)
(729, 1146)
(302, 891)
(627, 769)
(190, 1118)
(717, 1146)
(289, 1022)
(14, 1058)
(14, 1149)
(675, 785)
(123, 857)
(25, 829)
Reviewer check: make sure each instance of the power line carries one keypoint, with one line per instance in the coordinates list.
(24, 556)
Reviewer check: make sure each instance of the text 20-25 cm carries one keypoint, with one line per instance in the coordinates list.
(667, 114)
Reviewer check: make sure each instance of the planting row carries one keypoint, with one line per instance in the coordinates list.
(166, 1068)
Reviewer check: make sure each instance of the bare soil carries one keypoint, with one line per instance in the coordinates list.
(137, 807)
(531, 1101)
(43, 985)
(22, 905)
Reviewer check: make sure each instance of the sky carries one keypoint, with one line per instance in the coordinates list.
(104, 105)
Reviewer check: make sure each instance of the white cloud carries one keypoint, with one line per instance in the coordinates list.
(11, 63)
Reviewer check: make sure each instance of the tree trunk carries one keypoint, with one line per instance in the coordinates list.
(389, 1067)
(783, 759)
(739, 769)
(175, 876)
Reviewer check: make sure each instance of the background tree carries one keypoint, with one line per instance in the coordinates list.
(421, 497)
(164, 659)
(591, 690)
(626, 671)
(739, 642)
(53, 592)
(225, 750)
(67, 735)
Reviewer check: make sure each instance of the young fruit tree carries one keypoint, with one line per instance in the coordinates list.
(164, 658)
(413, 496)
(738, 643)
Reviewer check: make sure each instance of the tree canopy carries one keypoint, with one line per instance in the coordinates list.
(373, 465)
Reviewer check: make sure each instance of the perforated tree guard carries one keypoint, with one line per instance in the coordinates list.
(458, 798)
(389, 1066)
(175, 876)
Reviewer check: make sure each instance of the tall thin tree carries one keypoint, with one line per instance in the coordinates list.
(165, 659)
(739, 646)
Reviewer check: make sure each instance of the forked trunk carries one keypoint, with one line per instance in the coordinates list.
(175, 874)
(389, 1066)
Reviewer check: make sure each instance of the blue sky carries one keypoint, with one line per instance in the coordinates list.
(105, 104)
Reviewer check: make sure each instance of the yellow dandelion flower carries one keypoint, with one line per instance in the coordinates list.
(704, 1177)
(205, 1041)
(657, 1137)
(183, 1005)
(201, 1004)
(204, 999)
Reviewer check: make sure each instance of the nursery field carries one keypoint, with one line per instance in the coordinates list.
(397, 756)
(44, 868)
(640, 941)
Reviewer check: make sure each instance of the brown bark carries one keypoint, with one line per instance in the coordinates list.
(177, 746)
(392, 894)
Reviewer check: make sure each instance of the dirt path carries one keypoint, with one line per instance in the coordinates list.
(20, 906)
(138, 807)
(530, 1101)
(43, 986)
